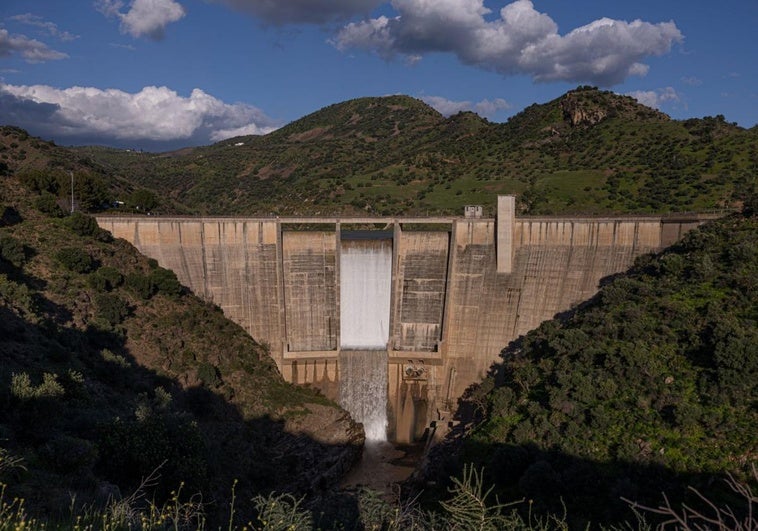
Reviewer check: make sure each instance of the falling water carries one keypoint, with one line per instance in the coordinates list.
(363, 389)
(365, 285)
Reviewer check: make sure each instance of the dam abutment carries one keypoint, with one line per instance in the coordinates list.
(460, 289)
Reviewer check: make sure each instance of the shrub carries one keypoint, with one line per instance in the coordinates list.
(165, 281)
(209, 375)
(42, 181)
(143, 200)
(106, 278)
(75, 259)
(141, 285)
(82, 224)
(116, 359)
(111, 308)
(85, 225)
(12, 250)
(22, 388)
(282, 511)
(130, 450)
(16, 295)
(47, 203)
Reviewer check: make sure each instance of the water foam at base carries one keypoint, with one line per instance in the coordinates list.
(363, 389)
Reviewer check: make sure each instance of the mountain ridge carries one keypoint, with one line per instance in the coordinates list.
(586, 152)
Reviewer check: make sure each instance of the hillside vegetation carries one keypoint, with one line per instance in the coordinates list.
(589, 151)
(649, 387)
(112, 372)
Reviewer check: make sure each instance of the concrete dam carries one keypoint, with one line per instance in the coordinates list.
(394, 323)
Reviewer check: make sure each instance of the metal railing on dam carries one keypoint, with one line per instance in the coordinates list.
(458, 294)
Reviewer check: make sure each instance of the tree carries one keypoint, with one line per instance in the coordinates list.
(144, 200)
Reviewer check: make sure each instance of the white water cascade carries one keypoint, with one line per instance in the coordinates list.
(363, 389)
(365, 286)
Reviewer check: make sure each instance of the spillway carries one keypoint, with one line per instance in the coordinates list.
(365, 287)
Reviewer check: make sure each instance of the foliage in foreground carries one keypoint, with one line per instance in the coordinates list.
(468, 507)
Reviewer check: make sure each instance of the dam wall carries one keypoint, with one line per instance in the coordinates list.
(460, 289)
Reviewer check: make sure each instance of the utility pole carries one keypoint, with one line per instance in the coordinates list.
(72, 191)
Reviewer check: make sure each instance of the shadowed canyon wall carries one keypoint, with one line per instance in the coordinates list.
(459, 293)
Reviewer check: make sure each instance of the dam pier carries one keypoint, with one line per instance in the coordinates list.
(394, 323)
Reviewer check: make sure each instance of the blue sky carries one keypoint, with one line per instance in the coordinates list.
(161, 74)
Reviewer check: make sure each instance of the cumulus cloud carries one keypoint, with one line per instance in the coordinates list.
(48, 27)
(486, 108)
(655, 98)
(282, 12)
(520, 40)
(33, 51)
(144, 18)
(156, 115)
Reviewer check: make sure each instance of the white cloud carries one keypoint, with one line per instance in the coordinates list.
(145, 18)
(655, 98)
(49, 27)
(33, 51)
(155, 114)
(520, 41)
(282, 12)
(249, 129)
(486, 108)
(692, 81)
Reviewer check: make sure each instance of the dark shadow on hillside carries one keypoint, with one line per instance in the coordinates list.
(553, 481)
(588, 492)
(549, 481)
(109, 423)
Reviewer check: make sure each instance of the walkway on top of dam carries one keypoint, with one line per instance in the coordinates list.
(331, 220)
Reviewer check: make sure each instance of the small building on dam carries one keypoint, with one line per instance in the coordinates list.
(394, 323)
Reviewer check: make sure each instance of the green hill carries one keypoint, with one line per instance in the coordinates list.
(111, 372)
(109, 367)
(649, 387)
(589, 151)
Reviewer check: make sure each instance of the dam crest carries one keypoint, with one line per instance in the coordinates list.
(433, 300)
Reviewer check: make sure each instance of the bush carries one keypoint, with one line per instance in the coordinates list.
(111, 308)
(165, 282)
(12, 250)
(106, 278)
(42, 181)
(143, 200)
(209, 375)
(82, 224)
(131, 450)
(85, 225)
(16, 295)
(47, 203)
(141, 285)
(75, 259)
(23, 389)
